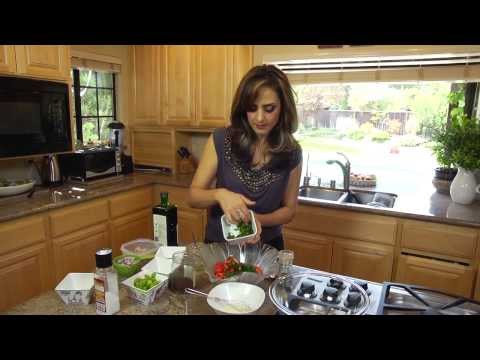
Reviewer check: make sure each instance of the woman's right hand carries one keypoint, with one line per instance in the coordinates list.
(234, 206)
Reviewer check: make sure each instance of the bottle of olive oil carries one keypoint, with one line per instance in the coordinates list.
(165, 222)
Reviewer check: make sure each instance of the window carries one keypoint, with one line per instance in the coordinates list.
(95, 103)
(384, 128)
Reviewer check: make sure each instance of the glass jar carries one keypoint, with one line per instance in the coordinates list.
(186, 269)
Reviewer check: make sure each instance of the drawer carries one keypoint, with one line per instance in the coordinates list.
(77, 217)
(439, 238)
(16, 234)
(131, 201)
(347, 224)
(444, 276)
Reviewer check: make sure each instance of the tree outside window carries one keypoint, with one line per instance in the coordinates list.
(95, 104)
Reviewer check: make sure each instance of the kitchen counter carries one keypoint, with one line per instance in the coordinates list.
(169, 303)
(428, 205)
(45, 199)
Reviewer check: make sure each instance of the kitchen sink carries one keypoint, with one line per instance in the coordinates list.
(370, 198)
(319, 193)
(357, 197)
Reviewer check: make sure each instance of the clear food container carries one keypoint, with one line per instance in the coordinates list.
(143, 248)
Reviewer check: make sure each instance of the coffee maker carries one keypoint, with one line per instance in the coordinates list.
(116, 141)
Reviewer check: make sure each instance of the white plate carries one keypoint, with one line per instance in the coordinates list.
(16, 189)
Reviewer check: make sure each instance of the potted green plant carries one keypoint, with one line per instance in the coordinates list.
(445, 139)
(465, 132)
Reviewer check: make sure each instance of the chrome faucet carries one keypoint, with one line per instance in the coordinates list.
(345, 169)
(306, 178)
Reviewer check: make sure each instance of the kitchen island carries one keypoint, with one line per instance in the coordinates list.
(169, 303)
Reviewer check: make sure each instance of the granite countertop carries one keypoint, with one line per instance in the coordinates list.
(169, 303)
(425, 204)
(45, 199)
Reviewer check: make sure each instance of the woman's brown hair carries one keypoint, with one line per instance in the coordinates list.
(281, 142)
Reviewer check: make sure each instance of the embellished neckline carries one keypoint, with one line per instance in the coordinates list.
(255, 179)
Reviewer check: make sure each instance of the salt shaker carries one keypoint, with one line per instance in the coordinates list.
(107, 301)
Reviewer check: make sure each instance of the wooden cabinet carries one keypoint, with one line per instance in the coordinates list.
(153, 147)
(131, 216)
(311, 250)
(452, 241)
(214, 79)
(196, 83)
(191, 225)
(361, 226)
(50, 62)
(43, 61)
(75, 252)
(137, 225)
(22, 232)
(477, 287)
(131, 201)
(362, 260)
(147, 84)
(7, 59)
(24, 274)
(445, 276)
(71, 218)
(178, 85)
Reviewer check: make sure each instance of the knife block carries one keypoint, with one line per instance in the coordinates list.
(186, 166)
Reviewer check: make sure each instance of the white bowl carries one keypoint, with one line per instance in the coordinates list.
(236, 298)
(232, 228)
(76, 288)
(142, 296)
(16, 189)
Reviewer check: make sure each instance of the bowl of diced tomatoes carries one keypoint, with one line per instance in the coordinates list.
(250, 263)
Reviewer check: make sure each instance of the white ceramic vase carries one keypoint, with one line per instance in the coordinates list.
(464, 187)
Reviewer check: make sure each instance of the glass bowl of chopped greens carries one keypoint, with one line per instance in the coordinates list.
(241, 232)
(249, 263)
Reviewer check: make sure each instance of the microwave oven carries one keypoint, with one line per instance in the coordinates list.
(89, 164)
(34, 117)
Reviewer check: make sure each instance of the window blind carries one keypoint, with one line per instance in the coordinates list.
(82, 63)
(393, 68)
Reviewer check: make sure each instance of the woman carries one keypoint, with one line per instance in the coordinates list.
(254, 163)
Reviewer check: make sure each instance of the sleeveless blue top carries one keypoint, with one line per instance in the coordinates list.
(263, 185)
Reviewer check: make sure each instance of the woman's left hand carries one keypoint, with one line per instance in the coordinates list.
(259, 232)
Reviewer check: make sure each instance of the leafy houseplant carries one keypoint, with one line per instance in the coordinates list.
(458, 144)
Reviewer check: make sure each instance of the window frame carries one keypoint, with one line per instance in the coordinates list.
(78, 103)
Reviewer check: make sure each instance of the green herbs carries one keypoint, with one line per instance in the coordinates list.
(244, 229)
(146, 283)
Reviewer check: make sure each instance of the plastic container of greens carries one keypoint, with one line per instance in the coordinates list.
(241, 232)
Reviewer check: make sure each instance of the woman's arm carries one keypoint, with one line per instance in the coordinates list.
(201, 196)
(286, 213)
